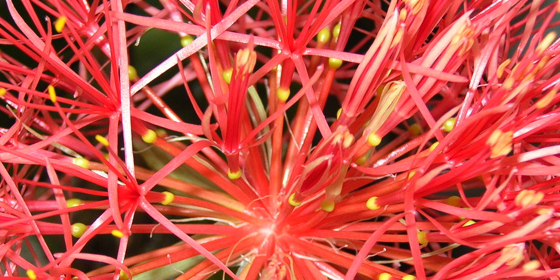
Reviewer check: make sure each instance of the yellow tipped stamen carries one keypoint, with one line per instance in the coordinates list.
(78, 230)
(327, 206)
(336, 31)
(227, 75)
(455, 39)
(408, 277)
(162, 133)
(422, 237)
(371, 203)
(102, 140)
(411, 174)
(31, 274)
(545, 100)
(2, 91)
(374, 140)
(433, 146)
(234, 175)
(338, 113)
(502, 67)
(81, 162)
(150, 136)
(402, 15)
(469, 223)
(324, 35)
(334, 63)
(545, 211)
(531, 266)
(123, 275)
(362, 160)
(384, 276)
(59, 24)
(414, 129)
(453, 201)
(528, 198)
(186, 40)
(448, 125)
(132, 74)
(546, 42)
(283, 94)
(512, 254)
(169, 197)
(117, 233)
(398, 38)
(245, 60)
(500, 143)
(292, 201)
(52, 93)
(347, 139)
(73, 202)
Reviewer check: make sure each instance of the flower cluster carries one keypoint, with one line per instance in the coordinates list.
(333, 139)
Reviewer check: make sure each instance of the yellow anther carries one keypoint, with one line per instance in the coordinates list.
(408, 277)
(502, 67)
(327, 206)
(132, 74)
(347, 140)
(448, 125)
(123, 275)
(338, 113)
(398, 38)
(117, 233)
(545, 211)
(31, 274)
(81, 162)
(162, 133)
(384, 276)
(402, 15)
(73, 202)
(545, 100)
(469, 223)
(500, 143)
(453, 201)
(411, 174)
(528, 198)
(422, 237)
(371, 203)
(362, 160)
(433, 146)
(245, 60)
(415, 5)
(186, 40)
(414, 129)
(374, 140)
(334, 63)
(150, 136)
(2, 91)
(455, 39)
(532, 265)
(78, 230)
(226, 74)
(169, 197)
(102, 140)
(546, 42)
(59, 24)
(234, 175)
(292, 201)
(324, 35)
(283, 94)
(512, 254)
(52, 93)
(336, 31)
